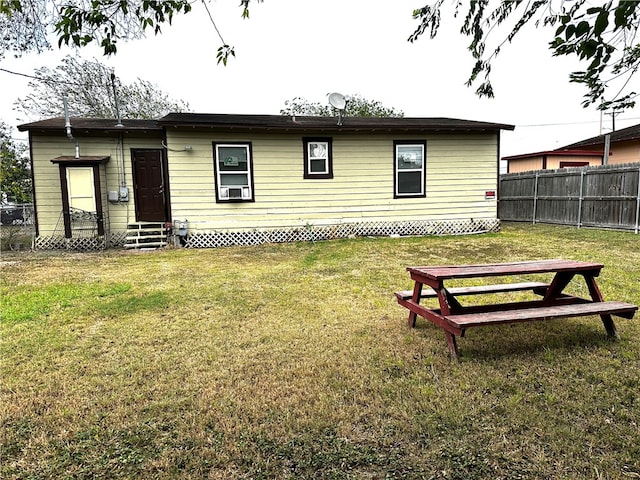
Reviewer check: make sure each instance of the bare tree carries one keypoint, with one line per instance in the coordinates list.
(357, 106)
(89, 89)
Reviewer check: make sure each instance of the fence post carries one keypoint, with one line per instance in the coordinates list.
(638, 205)
(580, 198)
(535, 198)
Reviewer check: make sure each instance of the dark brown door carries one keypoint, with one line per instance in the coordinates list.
(149, 185)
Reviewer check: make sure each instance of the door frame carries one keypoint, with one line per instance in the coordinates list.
(65, 163)
(164, 167)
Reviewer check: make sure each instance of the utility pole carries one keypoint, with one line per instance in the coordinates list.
(613, 120)
(607, 138)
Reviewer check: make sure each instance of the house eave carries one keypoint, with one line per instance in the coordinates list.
(92, 126)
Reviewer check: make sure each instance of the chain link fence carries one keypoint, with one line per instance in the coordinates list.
(17, 227)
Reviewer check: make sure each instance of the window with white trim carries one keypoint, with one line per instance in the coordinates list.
(409, 168)
(233, 167)
(318, 157)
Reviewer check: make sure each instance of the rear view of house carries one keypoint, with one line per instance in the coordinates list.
(215, 180)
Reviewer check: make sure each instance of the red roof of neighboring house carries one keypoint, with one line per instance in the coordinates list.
(587, 147)
(556, 153)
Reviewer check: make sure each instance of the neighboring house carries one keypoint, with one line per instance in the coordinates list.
(624, 147)
(552, 159)
(244, 179)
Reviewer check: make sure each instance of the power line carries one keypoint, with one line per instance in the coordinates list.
(41, 79)
(571, 123)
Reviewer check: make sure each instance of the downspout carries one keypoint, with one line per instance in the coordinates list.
(123, 182)
(67, 126)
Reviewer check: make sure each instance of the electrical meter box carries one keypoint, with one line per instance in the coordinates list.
(124, 194)
(182, 227)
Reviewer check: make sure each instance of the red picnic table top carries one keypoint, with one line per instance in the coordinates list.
(512, 268)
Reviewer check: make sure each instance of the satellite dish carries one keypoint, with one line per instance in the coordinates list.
(337, 100)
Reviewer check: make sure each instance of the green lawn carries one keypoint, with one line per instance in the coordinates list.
(294, 361)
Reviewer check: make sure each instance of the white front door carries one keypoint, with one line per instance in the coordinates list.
(81, 188)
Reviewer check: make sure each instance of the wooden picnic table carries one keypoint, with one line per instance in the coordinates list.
(455, 318)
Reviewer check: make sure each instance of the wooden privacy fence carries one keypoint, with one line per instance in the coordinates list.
(606, 196)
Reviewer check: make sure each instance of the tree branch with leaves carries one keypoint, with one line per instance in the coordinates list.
(15, 171)
(603, 38)
(27, 26)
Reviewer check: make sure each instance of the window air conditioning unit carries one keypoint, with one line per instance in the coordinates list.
(235, 193)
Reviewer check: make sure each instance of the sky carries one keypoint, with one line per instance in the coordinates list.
(304, 48)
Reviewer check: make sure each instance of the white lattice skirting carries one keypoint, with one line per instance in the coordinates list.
(309, 233)
(81, 244)
(61, 243)
(330, 232)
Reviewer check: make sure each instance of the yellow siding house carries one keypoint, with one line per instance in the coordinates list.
(206, 180)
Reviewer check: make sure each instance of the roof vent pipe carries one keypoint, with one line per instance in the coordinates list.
(115, 99)
(67, 126)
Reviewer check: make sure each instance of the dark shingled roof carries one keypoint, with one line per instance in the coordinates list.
(326, 124)
(80, 124)
(267, 123)
(626, 134)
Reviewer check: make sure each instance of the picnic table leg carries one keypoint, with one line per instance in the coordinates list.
(596, 296)
(417, 292)
(453, 346)
(558, 284)
(609, 326)
(448, 302)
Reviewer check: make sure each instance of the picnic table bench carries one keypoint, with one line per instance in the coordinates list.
(455, 318)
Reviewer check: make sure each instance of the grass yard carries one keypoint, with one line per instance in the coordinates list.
(294, 361)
